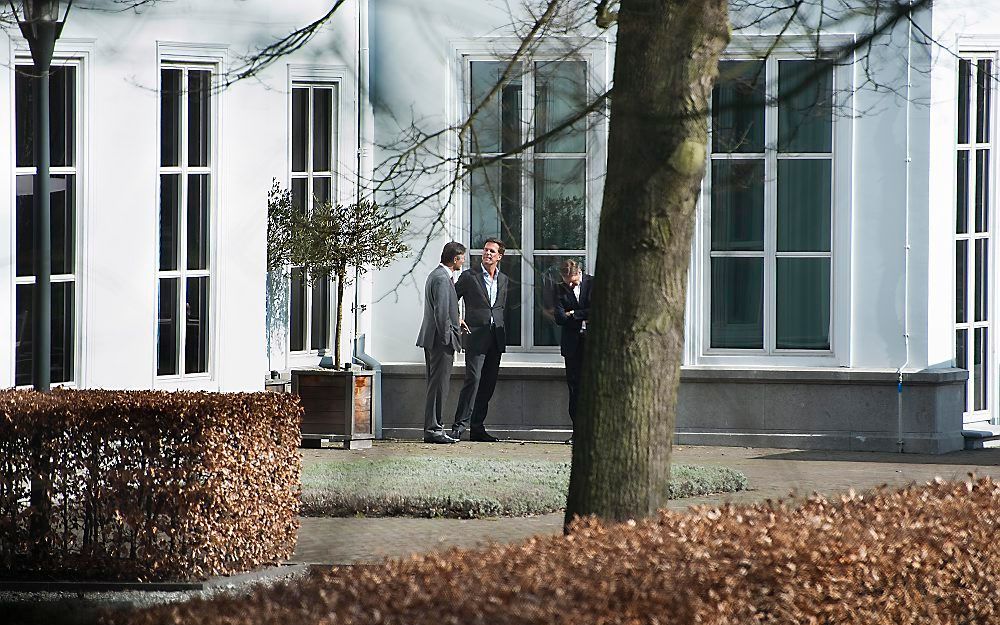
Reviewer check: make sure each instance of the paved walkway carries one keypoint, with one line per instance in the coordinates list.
(773, 474)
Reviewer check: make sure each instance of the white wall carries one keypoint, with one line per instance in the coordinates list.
(412, 73)
(119, 212)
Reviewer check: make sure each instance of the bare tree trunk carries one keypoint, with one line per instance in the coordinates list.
(665, 66)
(341, 275)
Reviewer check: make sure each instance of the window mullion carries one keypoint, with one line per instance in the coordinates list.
(770, 201)
(527, 264)
(182, 161)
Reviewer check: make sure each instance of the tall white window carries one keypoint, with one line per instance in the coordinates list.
(974, 202)
(64, 90)
(770, 209)
(184, 323)
(313, 179)
(535, 201)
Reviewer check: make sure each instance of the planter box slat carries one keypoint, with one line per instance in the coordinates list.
(338, 404)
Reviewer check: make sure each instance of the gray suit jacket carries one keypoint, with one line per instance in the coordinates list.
(440, 327)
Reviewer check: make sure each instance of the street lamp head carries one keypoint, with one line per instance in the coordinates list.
(40, 11)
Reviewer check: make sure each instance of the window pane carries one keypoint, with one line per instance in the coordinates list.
(737, 303)
(297, 311)
(560, 204)
(984, 93)
(199, 117)
(322, 129)
(24, 106)
(170, 216)
(196, 337)
(981, 280)
(511, 266)
(197, 221)
(495, 203)
(167, 328)
(321, 189)
(299, 193)
(547, 278)
(62, 352)
(62, 224)
(62, 115)
(560, 94)
(738, 107)
(805, 106)
(964, 80)
(319, 334)
(982, 190)
(803, 303)
(170, 117)
(962, 199)
(738, 205)
(496, 125)
(979, 370)
(300, 117)
(804, 188)
(961, 280)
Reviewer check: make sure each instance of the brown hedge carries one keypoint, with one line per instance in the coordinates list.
(927, 555)
(146, 485)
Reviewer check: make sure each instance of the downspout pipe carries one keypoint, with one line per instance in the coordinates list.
(906, 238)
(361, 97)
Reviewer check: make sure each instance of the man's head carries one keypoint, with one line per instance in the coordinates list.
(493, 251)
(453, 255)
(570, 272)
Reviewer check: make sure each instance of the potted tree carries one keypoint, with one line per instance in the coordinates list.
(327, 241)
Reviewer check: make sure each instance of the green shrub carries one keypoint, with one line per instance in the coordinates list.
(146, 485)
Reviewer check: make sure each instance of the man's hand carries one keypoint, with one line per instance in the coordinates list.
(465, 328)
(569, 313)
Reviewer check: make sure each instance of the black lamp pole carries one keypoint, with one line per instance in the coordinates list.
(41, 28)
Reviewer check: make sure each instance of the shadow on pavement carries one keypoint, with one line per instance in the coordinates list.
(973, 457)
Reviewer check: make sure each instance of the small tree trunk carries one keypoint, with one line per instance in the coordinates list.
(665, 66)
(341, 275)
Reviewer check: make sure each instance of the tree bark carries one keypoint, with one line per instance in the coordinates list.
(341, 276)
(665, 66)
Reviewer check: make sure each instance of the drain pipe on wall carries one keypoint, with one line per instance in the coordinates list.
(359, 191)
(906, 238)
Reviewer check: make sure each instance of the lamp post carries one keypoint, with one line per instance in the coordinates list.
(40, 24)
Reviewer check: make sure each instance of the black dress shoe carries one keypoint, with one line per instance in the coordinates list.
(456, 434)
(483, 436)
(442, 439)
(569, 441)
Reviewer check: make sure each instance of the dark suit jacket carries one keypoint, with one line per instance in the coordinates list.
(572, 325)
(440, 328)
(478, 310)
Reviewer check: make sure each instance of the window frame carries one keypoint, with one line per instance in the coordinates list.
(76, 54)
(310, 77)
(698, 331)
(458, 225)
(214, 59)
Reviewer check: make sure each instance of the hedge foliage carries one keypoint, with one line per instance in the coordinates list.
(146, 485)
(923, 555)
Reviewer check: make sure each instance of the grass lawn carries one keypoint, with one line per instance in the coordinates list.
(466, 487)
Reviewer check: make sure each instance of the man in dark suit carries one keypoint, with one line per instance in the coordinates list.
(485, 292)
(440, 336)
(572, 310)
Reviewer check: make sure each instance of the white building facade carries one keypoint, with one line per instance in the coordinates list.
(843, 236)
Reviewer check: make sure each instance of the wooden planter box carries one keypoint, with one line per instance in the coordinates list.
(338, 407)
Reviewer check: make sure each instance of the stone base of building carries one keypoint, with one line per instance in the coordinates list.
(828, 409)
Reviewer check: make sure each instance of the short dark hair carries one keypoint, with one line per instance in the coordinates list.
(450, 251)
(569, 267)
(499, 243)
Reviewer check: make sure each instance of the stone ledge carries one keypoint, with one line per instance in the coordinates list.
(823, 376)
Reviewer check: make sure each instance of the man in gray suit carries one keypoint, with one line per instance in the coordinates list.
(440, 336)
(485, 292)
